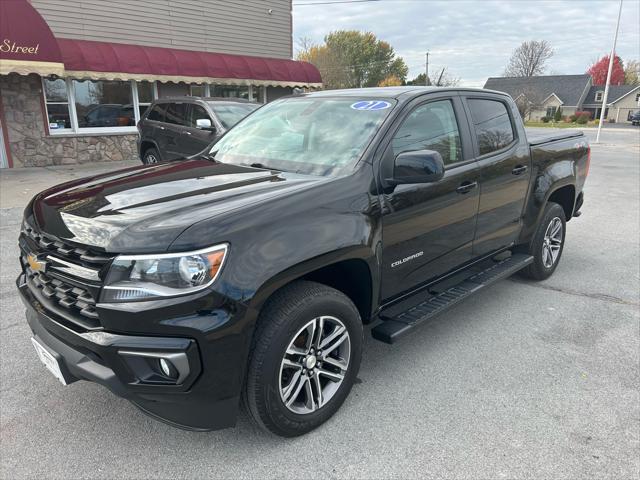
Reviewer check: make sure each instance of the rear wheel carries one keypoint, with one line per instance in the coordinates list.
(547, 243)
(304, 360)
(150, 156)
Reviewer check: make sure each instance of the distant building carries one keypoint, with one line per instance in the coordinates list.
(76, 75)
(622, 101)
(541, 96)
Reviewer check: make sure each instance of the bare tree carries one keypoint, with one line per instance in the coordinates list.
(443, 79)
(528, 60)
(305, 44)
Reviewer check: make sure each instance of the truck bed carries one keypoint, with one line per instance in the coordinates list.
(538, 138)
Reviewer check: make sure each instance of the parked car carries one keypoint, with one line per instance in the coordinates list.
(177, 128)
(635, 118)
(107, 115)
(253, 270)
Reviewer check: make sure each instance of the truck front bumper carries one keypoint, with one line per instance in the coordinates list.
(191, 398)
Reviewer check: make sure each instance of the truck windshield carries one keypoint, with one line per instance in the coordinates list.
(231, 113)
(317, 136)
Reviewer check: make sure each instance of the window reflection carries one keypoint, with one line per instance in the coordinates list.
(103, 103)
(492, 124)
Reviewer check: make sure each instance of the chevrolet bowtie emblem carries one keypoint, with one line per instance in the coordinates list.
(36, 264)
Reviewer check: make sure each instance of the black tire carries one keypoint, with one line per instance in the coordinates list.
(540, 268)
(151, 156)
(280, 324)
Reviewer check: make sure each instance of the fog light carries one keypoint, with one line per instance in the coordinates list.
(166, 367)
(157, 367)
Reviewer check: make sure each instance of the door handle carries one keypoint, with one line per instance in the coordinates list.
(162, 128)
(466, 187)
(519, 169)
(184, 132)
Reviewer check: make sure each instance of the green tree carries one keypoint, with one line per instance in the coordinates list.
(420, 80)
(351, 59)
(440, 79)
(558, 115)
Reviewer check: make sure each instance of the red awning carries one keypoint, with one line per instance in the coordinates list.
(116, 61)
(26, 42)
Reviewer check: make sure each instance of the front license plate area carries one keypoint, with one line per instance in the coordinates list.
(49, 361)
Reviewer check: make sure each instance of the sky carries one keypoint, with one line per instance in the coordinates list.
(474, 39)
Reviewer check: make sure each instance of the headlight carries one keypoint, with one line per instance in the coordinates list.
(141, 277)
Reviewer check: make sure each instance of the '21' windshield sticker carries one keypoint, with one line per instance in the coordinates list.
(371, 105)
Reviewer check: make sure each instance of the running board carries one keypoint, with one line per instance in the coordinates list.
(395, 324)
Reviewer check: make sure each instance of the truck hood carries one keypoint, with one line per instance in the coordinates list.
(143, 209)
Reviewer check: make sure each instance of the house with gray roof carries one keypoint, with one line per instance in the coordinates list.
(541, 96)
(622, 101)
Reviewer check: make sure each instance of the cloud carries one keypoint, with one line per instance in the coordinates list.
(474, 39)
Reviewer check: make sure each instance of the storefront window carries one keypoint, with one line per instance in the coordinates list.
(103, 103)
(259, 94)
(57, 101)
(172, 89)
(229, 91)
(145, 96)
(197, 90)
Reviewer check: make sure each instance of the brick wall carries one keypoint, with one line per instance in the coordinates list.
(29, 144)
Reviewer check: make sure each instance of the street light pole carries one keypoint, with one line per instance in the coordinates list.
(426, 72)
(606, 87)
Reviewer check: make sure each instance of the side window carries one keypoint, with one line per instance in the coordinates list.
(176, 113)
(431, 126)
(492, 124)
(157, 113)
(197, 113)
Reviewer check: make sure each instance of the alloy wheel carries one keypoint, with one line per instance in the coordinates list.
(314, 365)
(552, 243)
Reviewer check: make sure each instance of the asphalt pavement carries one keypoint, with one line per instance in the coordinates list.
(526, 380)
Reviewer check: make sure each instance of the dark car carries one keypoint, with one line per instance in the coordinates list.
(177, 128)
(635, 118)
(254, 270)
(108, 115)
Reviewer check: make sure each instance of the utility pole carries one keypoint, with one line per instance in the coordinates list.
(426, 72)
(606, 87)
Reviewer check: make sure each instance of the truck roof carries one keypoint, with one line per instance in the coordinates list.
(394, 92)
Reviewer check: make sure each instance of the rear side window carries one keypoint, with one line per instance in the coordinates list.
(176, 114)
(156, 113)
(431, 126)
(492, 124)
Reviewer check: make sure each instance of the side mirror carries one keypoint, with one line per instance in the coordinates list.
(204, 124)
(420, 166)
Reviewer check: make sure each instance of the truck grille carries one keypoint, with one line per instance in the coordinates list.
(79, 255)
(70, 296)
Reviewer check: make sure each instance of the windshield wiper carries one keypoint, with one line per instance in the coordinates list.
(212, 157)
(207, 156)
(262, 165)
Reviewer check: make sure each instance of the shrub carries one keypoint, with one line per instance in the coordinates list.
(587, 115)
(545, 119)
(582, 119)
(566, 119)
(558, 115)
(573, 118)
(612, 120)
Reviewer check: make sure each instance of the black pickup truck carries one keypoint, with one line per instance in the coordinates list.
(250, 273)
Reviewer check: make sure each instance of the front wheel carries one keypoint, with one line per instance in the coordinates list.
(547, 243)
(151, 156)
(304, 360)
